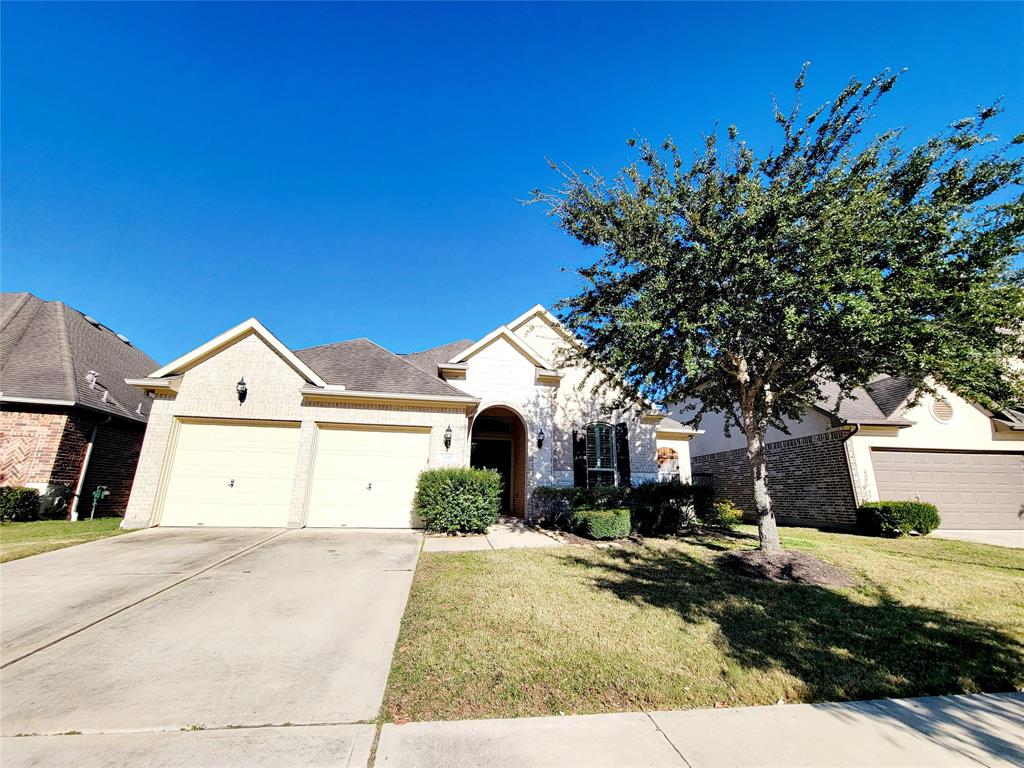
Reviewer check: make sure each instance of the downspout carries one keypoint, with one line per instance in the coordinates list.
(849, 466)
(85, 467)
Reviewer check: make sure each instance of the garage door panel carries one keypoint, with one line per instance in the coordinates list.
(231, 475)
(971, 490)
(366, 477)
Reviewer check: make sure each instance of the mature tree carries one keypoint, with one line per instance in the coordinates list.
(749, 282)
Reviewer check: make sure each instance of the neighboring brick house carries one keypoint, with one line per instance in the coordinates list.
(879, 445)
(68, 421)
(248, 432)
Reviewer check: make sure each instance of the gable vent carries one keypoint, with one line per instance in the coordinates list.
(942, 410)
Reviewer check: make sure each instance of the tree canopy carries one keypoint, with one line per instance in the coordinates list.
(749, 282)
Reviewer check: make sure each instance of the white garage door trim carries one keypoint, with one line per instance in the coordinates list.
(229, 473)
(972, 489)
(364, 475)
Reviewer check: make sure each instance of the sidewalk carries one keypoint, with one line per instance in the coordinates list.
(970, 731)
(507, 533)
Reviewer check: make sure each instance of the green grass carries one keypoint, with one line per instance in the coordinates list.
(19, 540)
(515, 633)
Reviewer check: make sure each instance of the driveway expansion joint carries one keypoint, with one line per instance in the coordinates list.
(670, 742)
(141, 600)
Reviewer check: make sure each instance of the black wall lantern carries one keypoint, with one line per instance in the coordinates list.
(448, 438)
(540, 439)
(242, 390)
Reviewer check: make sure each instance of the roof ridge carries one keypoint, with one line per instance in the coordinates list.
(67, 362)
(333, 344)
(415, 367)
(436, 346)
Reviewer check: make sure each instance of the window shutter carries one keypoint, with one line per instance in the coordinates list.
(579, 459)
(622, 453)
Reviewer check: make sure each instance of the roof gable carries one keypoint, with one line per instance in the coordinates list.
(252, 326)
(503, 332)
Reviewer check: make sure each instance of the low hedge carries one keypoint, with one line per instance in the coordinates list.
(18, 503)
(458, 499)
(656, 508)
(896, 518)
(601, 523)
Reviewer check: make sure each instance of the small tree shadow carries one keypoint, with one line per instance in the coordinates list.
(842, 645)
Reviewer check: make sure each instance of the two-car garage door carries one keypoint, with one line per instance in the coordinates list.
(238, 474)
(972, 490)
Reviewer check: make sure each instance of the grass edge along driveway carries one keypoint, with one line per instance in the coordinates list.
(18, 540)
(518, 633)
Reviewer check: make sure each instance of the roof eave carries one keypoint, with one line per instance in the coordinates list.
(352, 395)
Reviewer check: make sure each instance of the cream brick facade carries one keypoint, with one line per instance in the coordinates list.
(498, 373)
(208, 391)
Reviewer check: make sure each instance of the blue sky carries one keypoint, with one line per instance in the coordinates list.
(356, 170)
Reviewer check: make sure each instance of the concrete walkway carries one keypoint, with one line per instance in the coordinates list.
(1014, 539)
(970, 731)
(507, 533)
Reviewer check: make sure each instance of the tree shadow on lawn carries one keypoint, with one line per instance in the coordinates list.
(842, 645)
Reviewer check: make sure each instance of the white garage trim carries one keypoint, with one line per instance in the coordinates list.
(263, 466)
(364, 475)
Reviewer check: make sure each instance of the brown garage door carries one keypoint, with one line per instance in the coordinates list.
(971, 490)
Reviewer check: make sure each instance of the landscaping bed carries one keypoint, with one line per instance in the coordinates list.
(19, 540)
(660, 625)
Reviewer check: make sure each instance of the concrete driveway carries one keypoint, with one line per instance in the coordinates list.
(173, 633)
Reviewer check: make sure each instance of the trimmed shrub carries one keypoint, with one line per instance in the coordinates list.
(601, 523)
(722, 514)
(896, 518)
(666, 508)
(552, 504)
(458, 499)
(19, 504)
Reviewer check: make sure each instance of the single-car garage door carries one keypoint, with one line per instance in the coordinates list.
(971, 490)
(365, 477)
(230, 474)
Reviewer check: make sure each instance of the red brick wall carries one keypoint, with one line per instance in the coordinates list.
(48, 445)
(808, 479)
(115, 455)
(29, 442)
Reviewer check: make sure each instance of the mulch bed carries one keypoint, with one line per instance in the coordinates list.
(790, 567)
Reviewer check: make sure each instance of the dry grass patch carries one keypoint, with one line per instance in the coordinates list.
(659, 626)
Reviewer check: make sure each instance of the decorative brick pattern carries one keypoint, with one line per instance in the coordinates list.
(808, 477)
(47, 446)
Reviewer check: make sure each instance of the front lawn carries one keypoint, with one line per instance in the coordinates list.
(19, 540)
(514, 633)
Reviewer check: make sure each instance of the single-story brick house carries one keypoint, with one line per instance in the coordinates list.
(68, 421)
(943, 449)
(247, 432)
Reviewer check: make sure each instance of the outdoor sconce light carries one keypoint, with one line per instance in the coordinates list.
(242, 390)
(540, 439)
(448, 438)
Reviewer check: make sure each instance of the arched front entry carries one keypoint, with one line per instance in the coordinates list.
(498, 441)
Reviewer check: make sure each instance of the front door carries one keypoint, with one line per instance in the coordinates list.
(496, 455)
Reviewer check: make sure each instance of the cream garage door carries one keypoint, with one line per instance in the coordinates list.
(231, 475)
(971, 490)
(366, 477)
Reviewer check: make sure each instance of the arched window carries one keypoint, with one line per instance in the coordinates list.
(600, 454)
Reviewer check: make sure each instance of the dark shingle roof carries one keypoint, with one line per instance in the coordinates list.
(428, 359)
(889, 393)
(364, 366)
(47, 350)
(857, 406)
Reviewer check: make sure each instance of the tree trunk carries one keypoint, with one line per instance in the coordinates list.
(767, 533)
